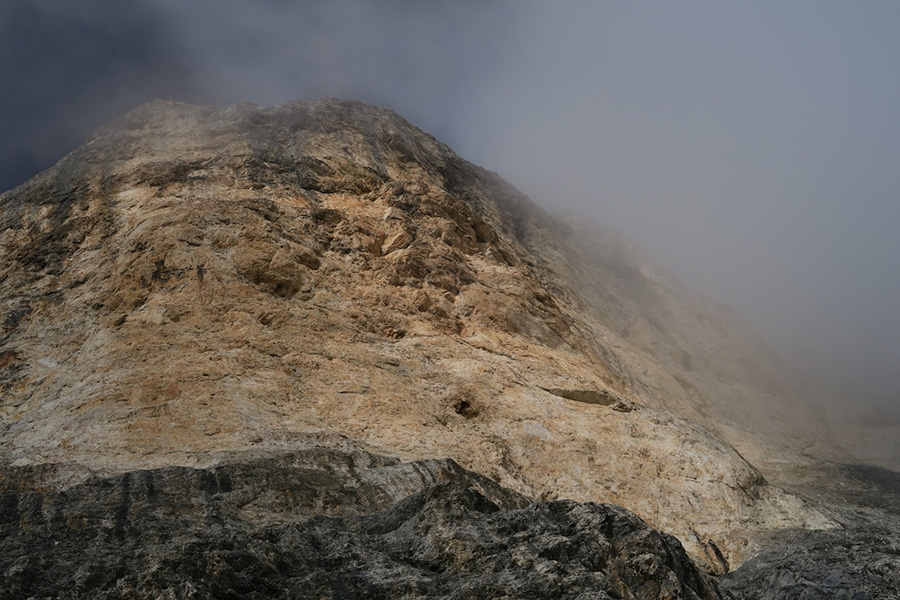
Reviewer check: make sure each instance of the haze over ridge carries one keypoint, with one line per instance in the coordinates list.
(751, 149)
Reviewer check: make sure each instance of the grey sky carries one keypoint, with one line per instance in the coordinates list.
(753, 148)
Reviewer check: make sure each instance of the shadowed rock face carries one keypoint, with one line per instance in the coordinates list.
(257, 529)
(196, 281)
(859, 563)
(860, 560)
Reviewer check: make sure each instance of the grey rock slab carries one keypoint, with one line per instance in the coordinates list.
(187, 533)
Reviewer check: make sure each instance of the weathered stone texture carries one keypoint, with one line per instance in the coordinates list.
(196, 280)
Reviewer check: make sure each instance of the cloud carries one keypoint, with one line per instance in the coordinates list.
(420, 59)
(71, 67)
(68, 67)
(751, 148)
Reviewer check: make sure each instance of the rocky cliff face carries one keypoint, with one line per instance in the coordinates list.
(197, 281)
(289, 525)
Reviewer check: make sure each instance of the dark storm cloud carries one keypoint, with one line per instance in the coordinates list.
(753, 148)
(67, 67)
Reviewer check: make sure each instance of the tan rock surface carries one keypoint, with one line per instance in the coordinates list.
(197, 280)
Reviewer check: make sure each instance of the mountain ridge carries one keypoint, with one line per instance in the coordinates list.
(196, 280)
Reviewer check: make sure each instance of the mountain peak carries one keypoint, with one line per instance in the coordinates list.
(196, 281)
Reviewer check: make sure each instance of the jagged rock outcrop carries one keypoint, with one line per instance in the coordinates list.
(196, 280)
(296, 526)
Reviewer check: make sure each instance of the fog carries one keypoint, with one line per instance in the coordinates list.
(753, 148)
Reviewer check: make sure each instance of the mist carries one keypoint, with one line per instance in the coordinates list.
(753, 149)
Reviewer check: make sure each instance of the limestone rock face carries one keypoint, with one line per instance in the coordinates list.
(195, 280)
